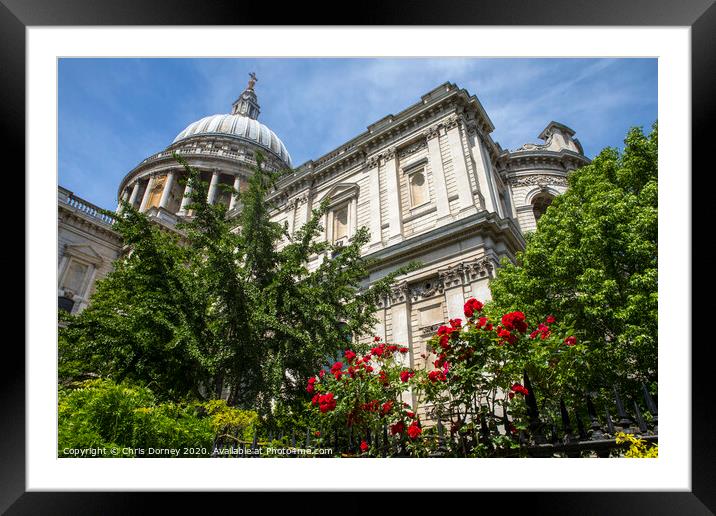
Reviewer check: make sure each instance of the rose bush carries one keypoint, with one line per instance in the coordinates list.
(475, 370)
(363, 395)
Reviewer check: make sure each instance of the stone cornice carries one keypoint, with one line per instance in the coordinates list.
(482, 223)
(421, 116)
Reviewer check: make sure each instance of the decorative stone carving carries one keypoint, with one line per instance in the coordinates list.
(429, 331)
(432, 132)
(427, 288)
(373, 161)
(452, 122)
(539, 180)
(400, 293)
(479, 269)
(388, 154)
(453, 276)
(415, 147)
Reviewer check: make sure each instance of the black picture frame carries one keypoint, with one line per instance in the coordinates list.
(699, 15)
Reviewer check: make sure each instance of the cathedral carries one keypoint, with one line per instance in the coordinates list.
(429, 183)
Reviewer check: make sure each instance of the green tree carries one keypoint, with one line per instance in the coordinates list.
(223, 305)
(593, 261)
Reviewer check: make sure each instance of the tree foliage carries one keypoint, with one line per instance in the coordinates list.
(593, 260)
(226, 307)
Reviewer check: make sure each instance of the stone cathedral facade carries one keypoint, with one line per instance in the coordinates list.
(429, 183)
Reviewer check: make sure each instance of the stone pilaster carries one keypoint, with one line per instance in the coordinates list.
(436, 166)
(395, 229)
(483, 171)
(462, 180)
(186, 199)
(375, 217)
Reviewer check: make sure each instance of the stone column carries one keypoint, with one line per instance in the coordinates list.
(212, 186)
(186, 199)
(374, 192)
(147, 193)
(135, 191)
(237, 185)
(436, 166)
(452, 280)
(291, 206)
(395, 230)
(459, 167)
(168, 185)
(400, 317)
(123, 197)
(480, 157)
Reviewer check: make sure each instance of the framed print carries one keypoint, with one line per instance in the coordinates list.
(407, 151)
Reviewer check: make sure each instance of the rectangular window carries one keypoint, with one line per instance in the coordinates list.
(75, 276)
(418, 188)
(340, 224)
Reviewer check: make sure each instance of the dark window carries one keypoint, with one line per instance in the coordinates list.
(65, 303)
(540, 205)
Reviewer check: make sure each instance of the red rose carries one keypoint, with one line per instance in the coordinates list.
(403, 350)
(414, 430)
(387, 406)
(406, 375)
(482, 321)
(314, 400)
(364, 446)
(534, 334)
(397, 428)
(455, 323)
(336, 367)
(520, 389)
(571, 340)
(515, 321)
(326, 402)
(471, 306)
(350, 355)
(410, 414)
(550, 319)
(317, 433)
(436, 376)
(376, 338)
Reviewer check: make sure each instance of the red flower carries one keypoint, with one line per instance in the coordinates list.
(414, 430)
(378, 350)
(471, 306)
(364, 446)
(520, 389)
(444, 330)
(506, 336)
(326, 402)
(489, 327)
(436, 375)
(571, 340)
(550, 319)
(444, 341)
(311, 387)
(403, 350)
(515, 321)
(376, 338)
(350, 355)
(383, 378)
(321, 373)
(397, 428)
(406, 375)
(317, 433)
(387, 406)
(482, 321)
(456, 323)
(314, 400)
(410, 414)
(336, 367)
(534, 334)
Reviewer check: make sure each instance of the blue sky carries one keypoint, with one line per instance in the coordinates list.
(113, 113)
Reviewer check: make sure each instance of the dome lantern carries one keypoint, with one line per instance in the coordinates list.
(247, 104)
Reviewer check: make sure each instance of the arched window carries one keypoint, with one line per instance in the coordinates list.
(540, 205)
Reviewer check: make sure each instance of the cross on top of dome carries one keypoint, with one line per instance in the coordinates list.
(247, 104)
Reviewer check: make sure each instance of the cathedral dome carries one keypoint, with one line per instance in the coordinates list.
(239, 126)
